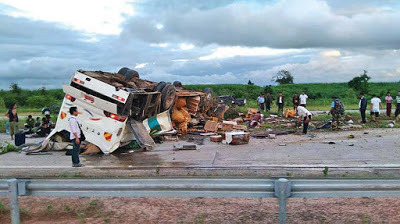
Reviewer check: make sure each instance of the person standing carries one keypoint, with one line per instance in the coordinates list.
(376, 104)
(389, 101)
(261, 102)
(75, 136)
(337, 111)
(304, 115)
(295, 101)
(268, 102)
(303, 99)
(13, 119)
(397, 105)
(363, 107)
(280, 103)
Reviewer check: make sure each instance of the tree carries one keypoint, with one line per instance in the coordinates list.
(15, 88)
(283, 77)
(250, 83)
(360, 83)
(268, 89)
(42, 91)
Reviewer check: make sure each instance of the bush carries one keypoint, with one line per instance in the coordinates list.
(40, 101)
(2, 104)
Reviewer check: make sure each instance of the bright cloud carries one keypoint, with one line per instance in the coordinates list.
(226, 52)
(92, 16)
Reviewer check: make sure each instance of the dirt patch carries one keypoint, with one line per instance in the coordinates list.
(203, 210)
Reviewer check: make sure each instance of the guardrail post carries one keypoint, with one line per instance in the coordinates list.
(14, 207)
(282, 191)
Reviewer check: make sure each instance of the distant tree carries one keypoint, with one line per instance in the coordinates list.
(250, 83)
(268, 89)
(42, 91)
(360, 83)
(283, 77)
(15, 88)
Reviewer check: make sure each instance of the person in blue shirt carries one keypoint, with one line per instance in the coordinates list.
(261, 102)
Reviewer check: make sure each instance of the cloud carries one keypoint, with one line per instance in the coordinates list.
(92, 16)
(200, 41)
(286, 24)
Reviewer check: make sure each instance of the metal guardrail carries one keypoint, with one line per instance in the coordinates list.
(197, 187)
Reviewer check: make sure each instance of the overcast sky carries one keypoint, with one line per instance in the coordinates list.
(43, 42)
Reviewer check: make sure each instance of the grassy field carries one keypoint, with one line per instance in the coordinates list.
(320, 94)
(24, 111)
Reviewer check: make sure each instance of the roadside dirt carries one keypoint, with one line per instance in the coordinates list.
(202, 210)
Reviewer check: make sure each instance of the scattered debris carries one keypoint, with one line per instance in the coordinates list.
(271, 136)
(351, 144)
(391, 124)
(185, 147)
(289, 113)
(282, 144)
(168, 138)
(90, 149)
(211, 126)
(207, 134)
(350, 136)
(216, 138)
(236, 138)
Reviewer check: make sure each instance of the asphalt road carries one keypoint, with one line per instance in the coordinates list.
(370, 150)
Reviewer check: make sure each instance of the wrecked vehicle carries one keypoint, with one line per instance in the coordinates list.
(231, 100)
(113, 106)
(118, 108)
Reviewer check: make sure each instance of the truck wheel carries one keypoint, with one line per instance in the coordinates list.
(177, 84)
(131, 74)
(123, 70)
(159, 86)
(168, 94)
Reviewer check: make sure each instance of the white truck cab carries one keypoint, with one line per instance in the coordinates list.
(111, 109)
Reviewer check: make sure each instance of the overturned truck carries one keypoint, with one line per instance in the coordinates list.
(118, 108)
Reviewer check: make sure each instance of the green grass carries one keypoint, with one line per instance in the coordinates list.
(24, 111)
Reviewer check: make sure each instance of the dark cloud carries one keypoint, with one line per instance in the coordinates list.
(287, 24)
(36, 53)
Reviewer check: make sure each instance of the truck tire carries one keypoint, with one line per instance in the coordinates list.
(123, 70)
(159, 87)
(168, 95)
(130, 74)
(177, 84)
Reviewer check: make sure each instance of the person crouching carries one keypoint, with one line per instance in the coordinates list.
(305, 116)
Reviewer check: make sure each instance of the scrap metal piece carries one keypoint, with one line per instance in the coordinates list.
(185, 147)
(143, 138)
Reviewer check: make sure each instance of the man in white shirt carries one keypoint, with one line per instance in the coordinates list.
(75, 135)
(376, 104)
(303, 99)
(304, 115)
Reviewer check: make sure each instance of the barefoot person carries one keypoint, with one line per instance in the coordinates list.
(75, 136)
